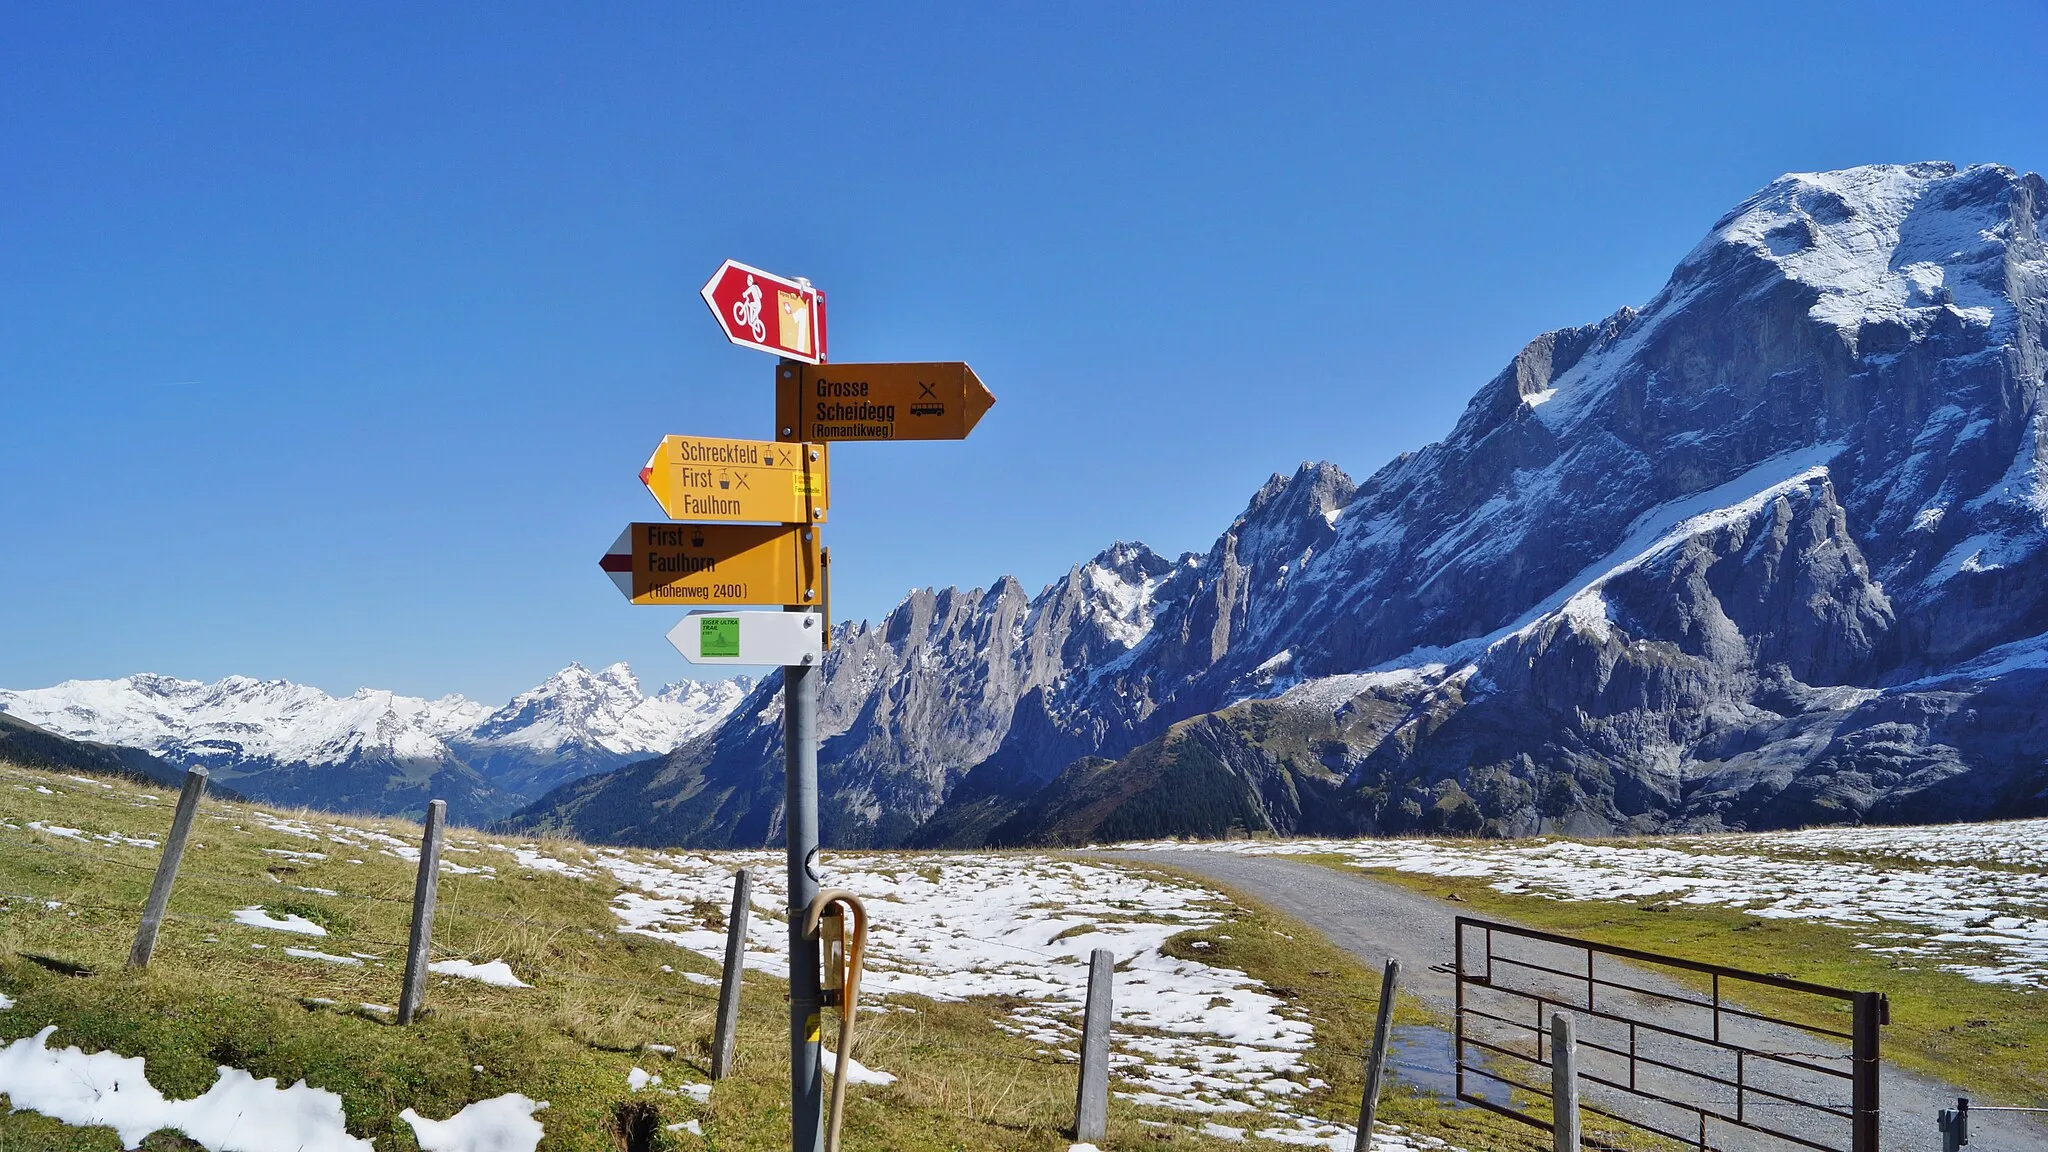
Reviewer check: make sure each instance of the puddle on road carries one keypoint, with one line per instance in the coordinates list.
(1420, 1057)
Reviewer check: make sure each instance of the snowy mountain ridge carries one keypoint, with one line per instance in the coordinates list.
(577, 721)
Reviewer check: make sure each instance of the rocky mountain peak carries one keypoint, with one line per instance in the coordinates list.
(1315, 488)
(1901, 248)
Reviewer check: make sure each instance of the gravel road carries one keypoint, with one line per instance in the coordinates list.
(1374, 920)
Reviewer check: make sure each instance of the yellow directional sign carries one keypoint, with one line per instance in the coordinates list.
(819, 402)
(775, 564)
(720, 479)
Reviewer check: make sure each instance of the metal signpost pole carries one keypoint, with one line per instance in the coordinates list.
(800, 811)
(753, 509)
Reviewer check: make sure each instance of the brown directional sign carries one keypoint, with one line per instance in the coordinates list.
(684, 564)
(720, 479)
(818, 402)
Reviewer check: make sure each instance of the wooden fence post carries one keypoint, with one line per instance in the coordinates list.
(1564, 1084)
(419, 948)
(1376, 1057)
(1091, 1106)
(727, 1033)
(167, 868)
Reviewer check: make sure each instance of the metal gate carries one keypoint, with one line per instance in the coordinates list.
(1663, 1045)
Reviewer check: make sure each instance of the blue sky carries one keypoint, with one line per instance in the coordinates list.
(332, 336)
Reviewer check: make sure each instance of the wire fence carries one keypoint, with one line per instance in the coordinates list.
(81, 853)
(96, 852)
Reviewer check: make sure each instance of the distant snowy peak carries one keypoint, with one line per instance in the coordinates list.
(1121, 584)
(249, 719)
(606, 709)
(254, 718)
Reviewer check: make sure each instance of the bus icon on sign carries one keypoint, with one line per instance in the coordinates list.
(927, 409)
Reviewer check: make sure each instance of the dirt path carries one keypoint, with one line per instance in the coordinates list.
(1374, 920)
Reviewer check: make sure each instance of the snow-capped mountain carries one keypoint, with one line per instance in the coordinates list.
(1767, 550)
(377, 750)
(579, 722)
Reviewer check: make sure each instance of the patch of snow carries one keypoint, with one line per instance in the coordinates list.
(531, 859)
(1983, 552)
(500, 1124)
(323, 957)
(1588, 615)
(2017, 656)
(856, 1072)
(1121, 607)
(496, 972)
(238, 1114)
(255, 917)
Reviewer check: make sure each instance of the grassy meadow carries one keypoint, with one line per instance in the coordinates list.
(76, 863)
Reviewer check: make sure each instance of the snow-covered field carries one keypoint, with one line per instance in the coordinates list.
(1192, 1037)
(1966, 898)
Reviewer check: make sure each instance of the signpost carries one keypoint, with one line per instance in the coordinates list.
(761, 310)
(941, 401)
(751, 510)
(719, 479)
(685, 564)
(783, 638)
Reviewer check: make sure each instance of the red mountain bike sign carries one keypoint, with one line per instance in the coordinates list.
(762, 310)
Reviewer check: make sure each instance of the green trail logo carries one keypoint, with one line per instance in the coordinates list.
(719, 636)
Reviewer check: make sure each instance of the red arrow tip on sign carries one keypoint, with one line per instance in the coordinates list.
(646, 472)
(618, 563)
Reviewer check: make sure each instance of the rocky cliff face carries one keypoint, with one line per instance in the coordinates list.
(1766, 550)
